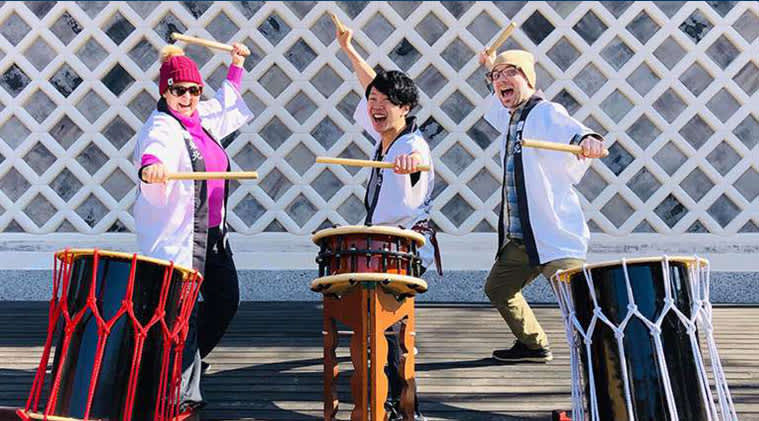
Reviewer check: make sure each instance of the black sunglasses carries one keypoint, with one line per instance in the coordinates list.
(181, 90)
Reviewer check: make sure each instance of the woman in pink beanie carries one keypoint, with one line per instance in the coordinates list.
(183, 220)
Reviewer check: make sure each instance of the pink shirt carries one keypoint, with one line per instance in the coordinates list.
(213, 154)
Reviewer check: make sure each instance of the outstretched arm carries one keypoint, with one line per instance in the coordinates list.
(363, 70)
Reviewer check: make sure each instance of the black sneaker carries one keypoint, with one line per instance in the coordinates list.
(191, 406)
(393, 409)
(520, 352)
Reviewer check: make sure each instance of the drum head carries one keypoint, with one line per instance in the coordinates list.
(566, 275)
(68, 255)
(369, 230)
(395, 284)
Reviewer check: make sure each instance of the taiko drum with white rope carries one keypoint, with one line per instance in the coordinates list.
(636, 329)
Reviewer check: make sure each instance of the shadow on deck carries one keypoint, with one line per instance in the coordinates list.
(269, 365)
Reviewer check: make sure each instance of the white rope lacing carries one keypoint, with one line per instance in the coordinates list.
(700, 319)
(566, 304)
(694, 294)
(727, 409)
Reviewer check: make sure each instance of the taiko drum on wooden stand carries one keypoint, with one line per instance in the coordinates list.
(369, 277)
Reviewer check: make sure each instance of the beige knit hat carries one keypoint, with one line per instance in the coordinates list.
(520, 59)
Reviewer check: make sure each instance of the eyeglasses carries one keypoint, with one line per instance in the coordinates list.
(497, 74)
(181, 90)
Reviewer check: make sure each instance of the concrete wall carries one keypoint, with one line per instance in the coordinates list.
(672, 86)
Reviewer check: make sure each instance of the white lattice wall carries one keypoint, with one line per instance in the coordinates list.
(672, 85)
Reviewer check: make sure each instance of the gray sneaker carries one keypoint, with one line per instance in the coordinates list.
(520, 353)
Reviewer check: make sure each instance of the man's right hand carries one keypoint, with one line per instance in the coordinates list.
(486, 59)
(344, 38)
(155, 173)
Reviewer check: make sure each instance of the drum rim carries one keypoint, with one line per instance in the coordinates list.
(186, 272)
(42, 416)
(564, 274)
(327, 281)
(366, 229)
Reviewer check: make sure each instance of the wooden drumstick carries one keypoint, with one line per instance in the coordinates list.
(501, 38)
(561, 147)
(214, 175)
(362, 163)
(204, 42)
(339, 25)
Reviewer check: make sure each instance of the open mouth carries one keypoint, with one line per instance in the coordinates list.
(507, 92)
(379, 118)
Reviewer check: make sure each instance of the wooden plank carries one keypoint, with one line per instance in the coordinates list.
(269, 365)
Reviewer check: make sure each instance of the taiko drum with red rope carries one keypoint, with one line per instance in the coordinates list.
(118, 323)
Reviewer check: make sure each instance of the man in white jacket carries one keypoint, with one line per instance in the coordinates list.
(541, 224)
(401, 196)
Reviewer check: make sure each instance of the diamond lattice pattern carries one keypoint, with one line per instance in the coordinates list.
(672, 86)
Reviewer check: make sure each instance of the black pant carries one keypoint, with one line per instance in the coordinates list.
(392, 370)
(221, 293)
(394, 380)
(221, 298)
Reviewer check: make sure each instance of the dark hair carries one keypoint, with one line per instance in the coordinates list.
(398, 87)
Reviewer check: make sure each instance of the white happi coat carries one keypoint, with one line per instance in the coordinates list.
(400, 203)
(555, 215)
(164, 214)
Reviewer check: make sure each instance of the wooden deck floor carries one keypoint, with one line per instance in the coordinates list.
(268, 366)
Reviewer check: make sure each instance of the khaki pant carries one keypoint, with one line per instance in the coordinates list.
(510, 274)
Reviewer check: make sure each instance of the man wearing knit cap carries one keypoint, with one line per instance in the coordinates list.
(541, 227)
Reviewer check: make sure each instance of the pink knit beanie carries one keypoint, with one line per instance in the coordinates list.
(175, 68)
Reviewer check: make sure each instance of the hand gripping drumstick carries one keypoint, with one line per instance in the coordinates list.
(214, 175)
(362, 163)
(501, 38)
(204, 42)
(561, 147)
(338, 24)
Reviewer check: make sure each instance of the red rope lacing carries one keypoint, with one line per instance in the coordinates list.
(173, 337)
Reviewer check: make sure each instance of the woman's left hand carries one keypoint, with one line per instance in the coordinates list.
(239, 52)
(407, 164)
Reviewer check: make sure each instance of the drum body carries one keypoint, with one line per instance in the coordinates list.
(359, 249)
(634, 326)
(121, 322)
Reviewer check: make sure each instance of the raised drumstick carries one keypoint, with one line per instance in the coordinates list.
(361, 163)
(339, 25)
(501, 38)
(204, 42)
(561, 147)
(214, 175)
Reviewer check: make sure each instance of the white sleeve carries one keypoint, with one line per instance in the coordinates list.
(225, 113)
(557, 125)
(496, 114)
(361, 116)
(550, 122)
(154, 139)
(420, 146)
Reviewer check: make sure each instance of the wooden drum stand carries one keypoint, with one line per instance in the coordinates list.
(366, 278)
